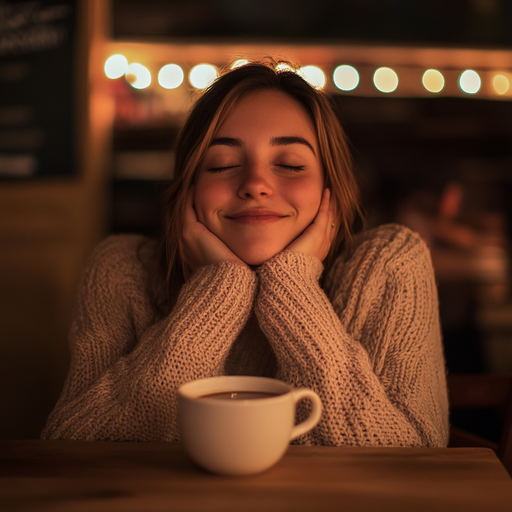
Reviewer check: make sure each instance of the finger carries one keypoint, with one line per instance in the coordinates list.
(322, 217)
(327, 207)
(326, 199)
(327, 217)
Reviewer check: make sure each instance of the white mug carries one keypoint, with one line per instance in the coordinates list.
(241, 436)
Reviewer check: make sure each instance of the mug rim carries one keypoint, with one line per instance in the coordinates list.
(220, 384)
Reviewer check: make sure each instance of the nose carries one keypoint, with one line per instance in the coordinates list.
(256, 182)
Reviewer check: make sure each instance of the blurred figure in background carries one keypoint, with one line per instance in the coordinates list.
(469, 249)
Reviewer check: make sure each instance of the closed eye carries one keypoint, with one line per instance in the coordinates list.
(220, 169)
(296, 168)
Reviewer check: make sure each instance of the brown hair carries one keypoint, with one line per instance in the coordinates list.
(205, 118)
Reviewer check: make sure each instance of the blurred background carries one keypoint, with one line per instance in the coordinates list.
(93, 94)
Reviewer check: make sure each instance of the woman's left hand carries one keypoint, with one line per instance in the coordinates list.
(317, 238)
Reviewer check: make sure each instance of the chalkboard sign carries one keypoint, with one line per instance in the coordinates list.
(37, 47)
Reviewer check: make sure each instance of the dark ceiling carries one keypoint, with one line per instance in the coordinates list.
(459, 22)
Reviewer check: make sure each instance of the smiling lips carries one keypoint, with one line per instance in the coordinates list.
(256, 216)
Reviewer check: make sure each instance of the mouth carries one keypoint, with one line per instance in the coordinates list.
(256, 216)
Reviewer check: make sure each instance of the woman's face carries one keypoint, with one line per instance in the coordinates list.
(261, 180)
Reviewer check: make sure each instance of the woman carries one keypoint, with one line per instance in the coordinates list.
(263, 194)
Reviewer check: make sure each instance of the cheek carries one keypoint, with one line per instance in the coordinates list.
(208, 198)
(306, 198)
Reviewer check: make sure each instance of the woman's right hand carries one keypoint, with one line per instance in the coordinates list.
(201, 246)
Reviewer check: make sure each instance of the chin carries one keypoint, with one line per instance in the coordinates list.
(258, 256)
(256, 260)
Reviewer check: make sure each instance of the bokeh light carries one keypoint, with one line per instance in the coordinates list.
(433, 80)
(202, 75)
(346, 78)
(116, 66)
(283, 66)
(239, 63)
(170, 76)
(385, 80)
(470, 81)
(138, 76)
(501, 84)
(314, 76)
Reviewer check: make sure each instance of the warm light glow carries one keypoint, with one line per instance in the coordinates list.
(346, 78)
(470, 82)
(116, 66)
(282, 66)
(314, 76)
(170, 76)
(138, 76)
(202, 75)
(239, 63)
(433, 80)
(385, 80)
(501, 84)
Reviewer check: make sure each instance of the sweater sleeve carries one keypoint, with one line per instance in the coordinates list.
(126, 366)
(371, 349)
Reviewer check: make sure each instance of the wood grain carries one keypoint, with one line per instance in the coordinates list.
(99, 476)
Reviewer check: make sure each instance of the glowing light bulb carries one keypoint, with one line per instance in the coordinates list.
(501, 84)
(385, 80)
(116, 66)
(346, 78)
(282, 66)
(170, 76)
(433, 80)
(202, 75)
(138, 76)
(239, 63)
(314, 76)
(470, 82)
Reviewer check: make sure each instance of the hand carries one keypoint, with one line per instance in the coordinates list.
(317, 238)
(200, 245)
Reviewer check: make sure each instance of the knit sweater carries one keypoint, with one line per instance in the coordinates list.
(367, 341)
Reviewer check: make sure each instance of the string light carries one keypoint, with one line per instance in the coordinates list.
(282, 66)
(385, 80)
(116, 66)
(170, 76)
(314, 76)
(239, 63)
(346, 78)
(470, 82)
(433, 80)
(501, 84)
(202, 75)
(138, 76)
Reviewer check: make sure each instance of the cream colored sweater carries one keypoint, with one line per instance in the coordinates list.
(368, 343)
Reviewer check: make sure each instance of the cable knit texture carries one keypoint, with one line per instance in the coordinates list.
(368, 342)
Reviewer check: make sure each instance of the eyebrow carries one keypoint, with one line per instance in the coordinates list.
(275, 141)
(287, 141)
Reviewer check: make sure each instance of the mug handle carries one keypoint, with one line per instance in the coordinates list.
(314, 417)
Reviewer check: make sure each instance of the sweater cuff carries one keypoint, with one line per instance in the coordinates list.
(226, 274)
(294, 264)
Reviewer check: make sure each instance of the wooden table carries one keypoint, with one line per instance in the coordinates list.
(76, 476)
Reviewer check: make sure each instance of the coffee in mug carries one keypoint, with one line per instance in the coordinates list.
(239, 395)
(239, 425)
